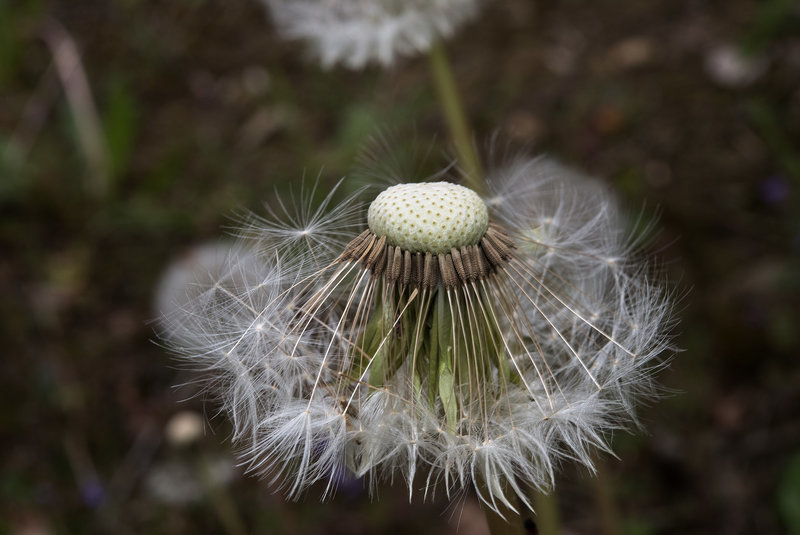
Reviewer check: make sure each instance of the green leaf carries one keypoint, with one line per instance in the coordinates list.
(369, 342)
(433, 355)
(444, 327)
(447, 390)
(379, 338)
(417, 386)
(377, 366)
(444, 333)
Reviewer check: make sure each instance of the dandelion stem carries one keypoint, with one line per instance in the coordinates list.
(548, 519)
(604, 499)
(512, 524)
(453, 108)
(501, 518)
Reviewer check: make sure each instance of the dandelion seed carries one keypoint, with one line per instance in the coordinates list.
(475, 346)
(357, 32)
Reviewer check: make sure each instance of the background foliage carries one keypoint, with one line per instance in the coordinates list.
(196, 110)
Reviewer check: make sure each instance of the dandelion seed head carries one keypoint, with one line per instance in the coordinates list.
(355, 33)
(428, 217)
(498, 344)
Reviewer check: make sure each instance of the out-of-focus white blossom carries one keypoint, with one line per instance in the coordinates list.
(184, 428)
(482, 364)
(184, 482)
(355, 33)
(729, 66)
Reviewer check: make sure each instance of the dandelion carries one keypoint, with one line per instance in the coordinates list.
(452, 341)
(355, 33)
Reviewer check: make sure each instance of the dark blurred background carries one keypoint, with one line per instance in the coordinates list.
(193, 110)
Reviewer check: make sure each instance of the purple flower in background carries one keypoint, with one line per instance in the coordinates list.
(775, 190)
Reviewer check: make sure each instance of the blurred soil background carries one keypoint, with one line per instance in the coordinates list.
(192, 111)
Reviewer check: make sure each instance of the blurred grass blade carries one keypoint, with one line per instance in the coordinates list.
(789, 496)
(81, 103)
(119, 124)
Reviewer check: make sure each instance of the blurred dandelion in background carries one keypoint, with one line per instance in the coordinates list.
(452, 341)
(355, 33)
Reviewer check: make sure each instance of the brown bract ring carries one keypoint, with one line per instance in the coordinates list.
(460, 266)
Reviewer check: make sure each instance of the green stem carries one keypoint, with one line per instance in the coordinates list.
(506, 521)
(508, 524)
(548, 519)
(456, 118)
(604, 497)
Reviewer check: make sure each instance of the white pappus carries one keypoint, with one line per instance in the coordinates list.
(447, 340)
(355, 33)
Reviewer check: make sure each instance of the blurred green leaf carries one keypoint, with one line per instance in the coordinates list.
(445, 375)
(774, 18)
(120, 124)
(789, 496)
(14, 17)
(637, 526)
(358, 122)
(12, 167)
(631, 182)
(768, 123)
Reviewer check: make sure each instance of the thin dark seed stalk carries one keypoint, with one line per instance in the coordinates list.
(453, 109)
